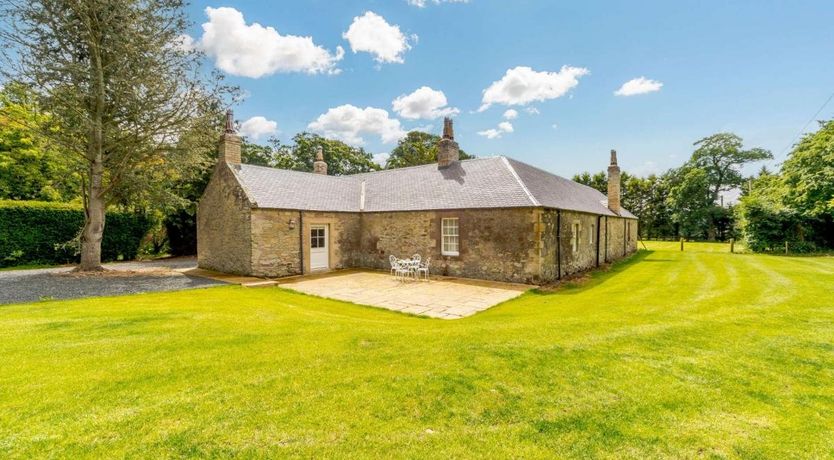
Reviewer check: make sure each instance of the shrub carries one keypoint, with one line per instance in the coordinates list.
(42, 232)
(181, 228)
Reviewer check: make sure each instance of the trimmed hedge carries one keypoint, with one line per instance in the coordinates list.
(35, 232)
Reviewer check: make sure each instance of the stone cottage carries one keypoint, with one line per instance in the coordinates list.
(490, 218)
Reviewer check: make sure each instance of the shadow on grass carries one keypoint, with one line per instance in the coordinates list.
(597, 277)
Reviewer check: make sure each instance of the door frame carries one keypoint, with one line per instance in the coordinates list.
(326, 252)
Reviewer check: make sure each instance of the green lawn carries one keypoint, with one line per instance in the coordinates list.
(693, 354)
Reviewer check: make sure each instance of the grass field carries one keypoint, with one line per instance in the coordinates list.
(693, 354)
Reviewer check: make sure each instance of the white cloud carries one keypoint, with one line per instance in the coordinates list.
(381, 158)
(256, 127)
(255, 51)
(371, 33)
(532, 110)
(637, 86)
(347, 123)
(554, 126)
(423, 3)
(184, 42)
(495, 133)
(424, 103)
(511, 114)
(522, 85)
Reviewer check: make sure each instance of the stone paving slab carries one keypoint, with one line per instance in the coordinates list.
(446, 298)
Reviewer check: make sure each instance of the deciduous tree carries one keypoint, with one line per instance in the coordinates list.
(120, 84)
(417, 148)
(31, 168)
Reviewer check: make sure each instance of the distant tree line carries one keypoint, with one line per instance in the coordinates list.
(795, 204)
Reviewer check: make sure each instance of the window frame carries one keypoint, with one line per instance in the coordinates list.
(453, 238)
(317, 238)
(592, 234)
(576, 230)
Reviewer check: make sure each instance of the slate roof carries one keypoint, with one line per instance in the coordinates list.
(494, 182)
(286, 189)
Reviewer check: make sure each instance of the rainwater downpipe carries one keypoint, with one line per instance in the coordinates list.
(599, 222)
(559, 244)
(625, 237)
(301, 240)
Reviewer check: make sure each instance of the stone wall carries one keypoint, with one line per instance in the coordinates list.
(607, 244)
(223, 225)
(558, 249)
(622, 237)
(584, 257)
(275, 248)
(344, 237)
(497, 244)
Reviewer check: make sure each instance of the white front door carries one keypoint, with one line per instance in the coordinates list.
(319, 247)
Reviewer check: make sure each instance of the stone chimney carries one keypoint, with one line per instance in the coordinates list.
(229, 148)
(448, 151)
(319, 166)
(614, 184)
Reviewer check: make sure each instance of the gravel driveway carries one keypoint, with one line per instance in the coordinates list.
(127, 278)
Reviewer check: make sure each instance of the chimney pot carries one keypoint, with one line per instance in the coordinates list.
(229, 145)
(319, 166)
(614, 184)
(448, 151)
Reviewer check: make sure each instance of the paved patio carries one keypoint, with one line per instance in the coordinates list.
(446, 298)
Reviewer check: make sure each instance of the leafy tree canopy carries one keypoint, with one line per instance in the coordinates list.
(341, 158)
(721, 156)
(31, 168)
(809, 174)
(417, 148)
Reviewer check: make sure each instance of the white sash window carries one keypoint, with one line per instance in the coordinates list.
(450, 232)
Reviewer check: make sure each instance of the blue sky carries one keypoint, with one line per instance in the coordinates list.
(758, 68)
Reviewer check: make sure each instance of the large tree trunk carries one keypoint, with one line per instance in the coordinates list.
(93, 230)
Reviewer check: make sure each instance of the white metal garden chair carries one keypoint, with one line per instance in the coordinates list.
(423, 268)
(393, 261)
(399, 268)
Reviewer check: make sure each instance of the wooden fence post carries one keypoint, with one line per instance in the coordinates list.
(732, 245)
(681, 244)
(786, 246)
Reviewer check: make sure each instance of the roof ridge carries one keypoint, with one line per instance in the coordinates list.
(367, 172)
(417, 166)
(512, 170)
(295, 171)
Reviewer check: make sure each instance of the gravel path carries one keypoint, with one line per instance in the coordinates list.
(58, 283)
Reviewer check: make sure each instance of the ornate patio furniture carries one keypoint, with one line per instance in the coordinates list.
(423, 268)
(394, 264)
(400, 268)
